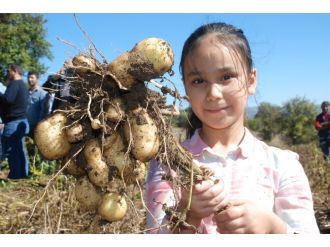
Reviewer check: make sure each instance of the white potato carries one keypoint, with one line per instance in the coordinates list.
(98, 171)
(50, 137)
(113, 207)
(142, 132)
(87, 194)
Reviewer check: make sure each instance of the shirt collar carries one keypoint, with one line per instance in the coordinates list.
(34, 89)
(196, 145)
(247, 145)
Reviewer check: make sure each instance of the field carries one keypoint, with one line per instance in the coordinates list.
(46, 203)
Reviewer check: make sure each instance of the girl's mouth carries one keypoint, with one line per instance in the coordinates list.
(216, 110)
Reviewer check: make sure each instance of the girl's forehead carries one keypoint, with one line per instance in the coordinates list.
(213, 44)
(214, 52)
(217, 46)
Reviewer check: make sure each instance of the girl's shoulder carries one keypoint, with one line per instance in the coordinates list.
(279, 158)
(283, 154)
(253, 146)
(194, 144)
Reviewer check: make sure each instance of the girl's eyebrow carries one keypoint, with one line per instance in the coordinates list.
(220, 69)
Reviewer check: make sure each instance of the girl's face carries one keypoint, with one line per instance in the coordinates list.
(217, 84)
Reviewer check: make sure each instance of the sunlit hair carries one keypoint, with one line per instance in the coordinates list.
(227, 35)
(33, 73)
(325, 104)
(15, 67)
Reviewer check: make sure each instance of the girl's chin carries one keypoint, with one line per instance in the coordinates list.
(216, 126)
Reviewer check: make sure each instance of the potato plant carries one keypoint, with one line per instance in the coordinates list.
(119, 124)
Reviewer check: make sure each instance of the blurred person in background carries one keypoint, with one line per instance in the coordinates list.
(58, 88)
(13, 104)
(2, 90)
(322, 125)
(37, 101)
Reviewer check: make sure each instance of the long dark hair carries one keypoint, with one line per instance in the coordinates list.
(227, 35)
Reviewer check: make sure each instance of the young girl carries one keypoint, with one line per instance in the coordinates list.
(266, 188)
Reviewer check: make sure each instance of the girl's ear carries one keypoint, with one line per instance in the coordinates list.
(252, 84)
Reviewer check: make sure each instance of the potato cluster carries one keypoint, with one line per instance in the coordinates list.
(110, 132)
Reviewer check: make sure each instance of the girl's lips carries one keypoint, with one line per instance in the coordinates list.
(216, 110)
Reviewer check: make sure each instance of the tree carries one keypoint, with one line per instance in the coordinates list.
(267, 121)
(298, 116)
(23, 41)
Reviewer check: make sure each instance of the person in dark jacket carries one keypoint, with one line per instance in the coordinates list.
(13, 104)
(322, 125)
(2, 90)
(58, 89)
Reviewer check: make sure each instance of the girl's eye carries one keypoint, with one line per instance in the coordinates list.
(227, 77)
(197, 81)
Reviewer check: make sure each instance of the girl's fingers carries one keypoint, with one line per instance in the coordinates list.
(232, 226)
(209, 187)
(207, 196)
(237, 202)
(202, 186)
(226, 231)
(232, 212)
(207, 170)
(228, 224)
(222, 204)
(209, 203)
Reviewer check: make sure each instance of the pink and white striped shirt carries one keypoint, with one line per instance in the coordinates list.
(254, 171)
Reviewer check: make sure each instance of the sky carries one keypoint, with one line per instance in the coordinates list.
(291, 52)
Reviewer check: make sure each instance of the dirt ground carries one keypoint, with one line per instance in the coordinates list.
(26, 208)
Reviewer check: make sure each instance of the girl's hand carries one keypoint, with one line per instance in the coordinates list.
(207, 197)
(247, 217)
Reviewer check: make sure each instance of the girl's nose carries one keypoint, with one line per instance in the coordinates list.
(214, 91)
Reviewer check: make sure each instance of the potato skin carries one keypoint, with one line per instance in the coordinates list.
(83, 64)
(114, 152)
(138, 172)
(113, 207)
(115, 112)
(75, 133)
(98, 171)
(120, 68)
(150, 58)
(144, 135)
(87, 194)
(154, 53)
(50, 137)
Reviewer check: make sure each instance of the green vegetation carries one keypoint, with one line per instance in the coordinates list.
(294, 121)
(23, 41)
(39, 165)
(267, 121)
(298, 117)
